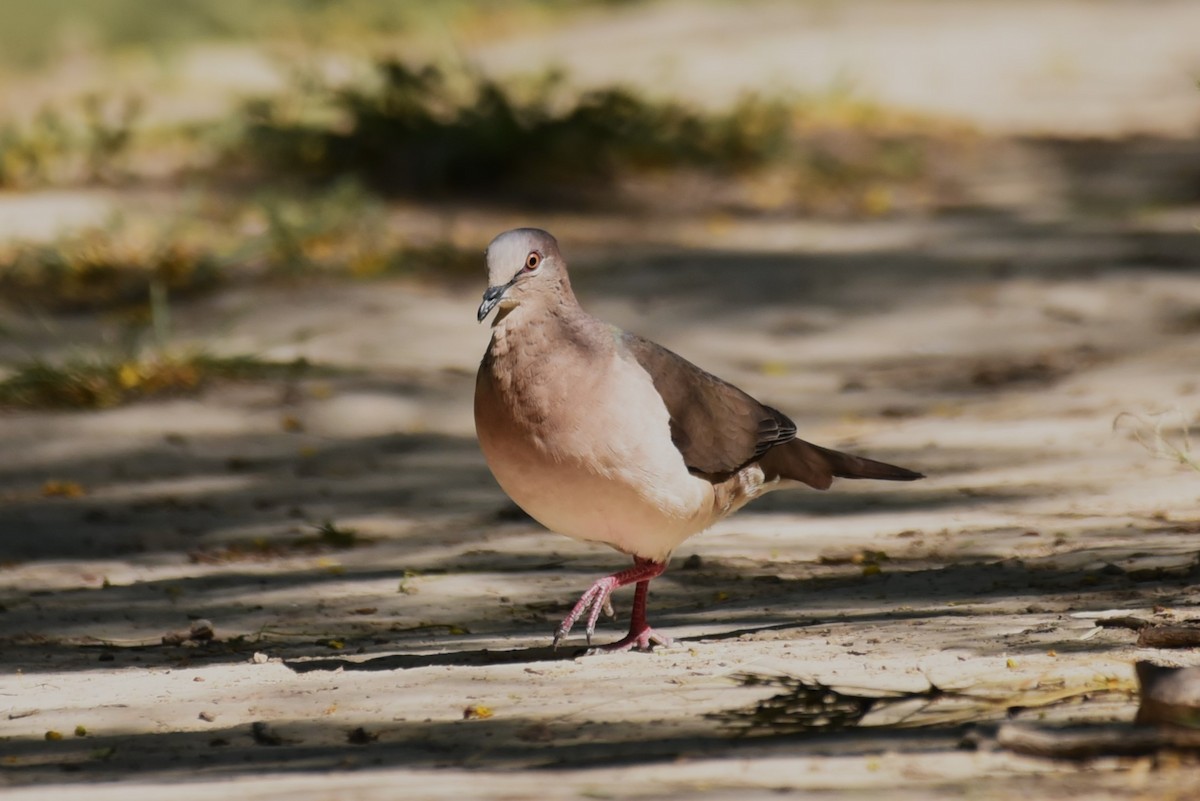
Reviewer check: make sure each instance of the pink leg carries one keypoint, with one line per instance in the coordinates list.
(640, 636)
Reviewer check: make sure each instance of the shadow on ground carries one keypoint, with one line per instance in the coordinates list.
(314, 747)
(441, 574)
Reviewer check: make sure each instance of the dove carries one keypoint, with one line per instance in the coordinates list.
(604, 436)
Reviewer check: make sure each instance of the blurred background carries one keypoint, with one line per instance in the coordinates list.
(241, 245)
(151, 155)
(241, 250)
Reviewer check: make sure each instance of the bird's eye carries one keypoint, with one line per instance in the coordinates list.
(533, 260)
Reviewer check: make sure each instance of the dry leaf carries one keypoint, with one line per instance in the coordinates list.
(62, 489)
(477, 712)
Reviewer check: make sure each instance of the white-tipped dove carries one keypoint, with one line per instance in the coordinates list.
(604, 436)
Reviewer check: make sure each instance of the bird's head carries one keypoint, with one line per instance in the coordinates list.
(524, 267)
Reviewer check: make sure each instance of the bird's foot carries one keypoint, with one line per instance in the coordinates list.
(642, 639)
(597, 599)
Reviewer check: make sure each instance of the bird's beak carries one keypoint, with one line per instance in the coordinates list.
(490, 298)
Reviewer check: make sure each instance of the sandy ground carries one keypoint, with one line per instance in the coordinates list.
(999, 377)
(1060, 67)
(992, 349)
(1076, 68)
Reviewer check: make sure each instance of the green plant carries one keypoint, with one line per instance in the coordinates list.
(101, 381)
(419, 131)
(77, 144)
(104, 267)
(334, 536)
(1166, 435)
(422, 132)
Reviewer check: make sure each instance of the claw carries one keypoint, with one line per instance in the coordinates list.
(643, 640)
(598, 598)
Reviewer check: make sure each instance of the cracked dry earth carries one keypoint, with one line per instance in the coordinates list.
(412, 658)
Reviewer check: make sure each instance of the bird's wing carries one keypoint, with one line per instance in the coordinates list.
(717, 427)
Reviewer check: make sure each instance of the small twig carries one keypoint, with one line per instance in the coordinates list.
(1169, 637)
(1114, 740)
(1124, 622)
(1157, 443)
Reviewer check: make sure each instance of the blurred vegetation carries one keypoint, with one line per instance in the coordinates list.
(303, 183)
(340, 229)
(420, 132)
(88, 143)
(423, 132)
(101, 268)
(1165, 435)
(213, 240)
(35, 33)
(319, 158)
(100, 381)
(415, 131)
(297, 184)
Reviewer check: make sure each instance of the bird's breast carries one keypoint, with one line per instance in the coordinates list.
(582, 443)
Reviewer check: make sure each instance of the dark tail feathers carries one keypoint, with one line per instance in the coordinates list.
(817, 466)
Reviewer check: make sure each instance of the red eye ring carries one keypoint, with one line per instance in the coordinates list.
(533, 260)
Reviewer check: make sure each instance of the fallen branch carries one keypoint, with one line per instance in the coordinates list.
(1168, 719)
(1124, 622)
(1169, 637)
(1086, 743)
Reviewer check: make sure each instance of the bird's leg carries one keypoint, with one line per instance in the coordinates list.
(640, 637)
(596, 599)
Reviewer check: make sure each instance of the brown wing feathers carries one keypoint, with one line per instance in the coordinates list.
(719, 429)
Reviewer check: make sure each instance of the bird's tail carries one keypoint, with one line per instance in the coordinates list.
(818, 467)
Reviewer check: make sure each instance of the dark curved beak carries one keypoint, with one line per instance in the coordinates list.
(490, 298)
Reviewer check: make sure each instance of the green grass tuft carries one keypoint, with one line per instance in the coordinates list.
(99, 383)
(334, 536)
(214, 240)
(100, 268)
(91, 142)
(420, 131)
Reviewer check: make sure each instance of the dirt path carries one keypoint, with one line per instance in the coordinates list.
(999, 380)
(992, 350)
(1068, 68)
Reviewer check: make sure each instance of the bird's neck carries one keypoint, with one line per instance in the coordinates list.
(530, 341)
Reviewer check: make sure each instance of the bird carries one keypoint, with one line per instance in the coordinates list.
(607, 437)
